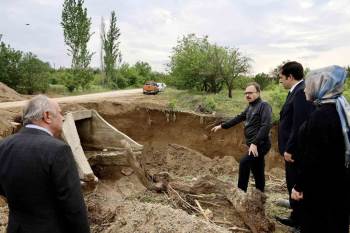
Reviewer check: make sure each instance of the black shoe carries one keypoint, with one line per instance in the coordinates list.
(286, 221)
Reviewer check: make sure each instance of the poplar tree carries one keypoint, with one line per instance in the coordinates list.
(76, 28)
(112, 55)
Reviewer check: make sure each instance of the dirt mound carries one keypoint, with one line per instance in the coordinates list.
(71, 107)
(6, 128)
(191, 184)
(179, 161)
(182, 161)
(142, 217)
(7, 94)
(124, 206)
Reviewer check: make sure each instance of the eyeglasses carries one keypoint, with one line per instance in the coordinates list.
(249, 92)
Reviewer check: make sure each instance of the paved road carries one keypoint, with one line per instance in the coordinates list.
(79, 98)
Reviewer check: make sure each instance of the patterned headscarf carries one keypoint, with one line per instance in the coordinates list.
(326, 85)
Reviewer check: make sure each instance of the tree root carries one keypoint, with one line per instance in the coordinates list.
(249, 206)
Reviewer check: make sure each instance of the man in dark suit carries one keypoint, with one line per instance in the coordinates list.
(38, 175)
(294, 112)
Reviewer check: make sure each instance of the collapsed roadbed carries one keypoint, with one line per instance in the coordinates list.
(174, 177)
(87, 129)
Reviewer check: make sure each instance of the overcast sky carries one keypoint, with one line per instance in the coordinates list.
(314, 32)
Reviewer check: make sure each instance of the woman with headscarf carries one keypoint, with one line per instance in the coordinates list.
(323, 181)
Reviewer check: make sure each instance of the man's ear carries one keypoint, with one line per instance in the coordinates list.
(47, 118)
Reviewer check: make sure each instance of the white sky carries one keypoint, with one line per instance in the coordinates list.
(313, 32)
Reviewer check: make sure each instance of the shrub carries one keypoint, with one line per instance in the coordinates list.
(277, 99)
(263, 80)
(84, 77)
(69, 81)
(57, 89)
(23, 72)
(121, 82)
(9, 62)
(172, 104)
(209, 104)
(98, 79)
(241, 82)
(34, 75)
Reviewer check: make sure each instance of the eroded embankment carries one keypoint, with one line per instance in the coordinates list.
(156, 128)
(181, 143)
(175, 142)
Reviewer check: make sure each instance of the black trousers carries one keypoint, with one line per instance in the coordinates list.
(256, 165)
(291, 178)
(326, 206)
(323, 219)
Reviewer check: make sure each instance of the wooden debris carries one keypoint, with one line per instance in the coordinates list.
(201, 210)
(249, 206)
(127, 171)
(234, 228)
(141, 174)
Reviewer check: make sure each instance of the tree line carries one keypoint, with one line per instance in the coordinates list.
(200, 65)
(23, 71)
(195, 63)
(27, 74)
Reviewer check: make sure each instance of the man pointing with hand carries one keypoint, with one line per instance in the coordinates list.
(257, 119)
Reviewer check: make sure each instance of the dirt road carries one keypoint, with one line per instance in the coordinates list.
(81, 98)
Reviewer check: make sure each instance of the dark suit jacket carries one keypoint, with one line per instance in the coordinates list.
(39, 178)
(294, 112)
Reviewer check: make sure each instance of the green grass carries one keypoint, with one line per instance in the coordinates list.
(58, 89)
(224, 106)
(189, 100)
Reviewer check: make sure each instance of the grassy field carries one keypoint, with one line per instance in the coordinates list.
(227, 107)
(220, 103)
(60, 90)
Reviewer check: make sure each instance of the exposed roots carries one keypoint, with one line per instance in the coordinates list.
(249, 206)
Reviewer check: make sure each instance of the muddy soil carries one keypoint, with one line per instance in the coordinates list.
(8, 94)
(157, 127)
(177, 143)
(135, 216)
(187, 165)
(181, 161)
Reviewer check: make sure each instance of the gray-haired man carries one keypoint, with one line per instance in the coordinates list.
(38, 175)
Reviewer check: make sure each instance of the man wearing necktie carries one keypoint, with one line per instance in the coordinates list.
(293, 113)
(38, 175)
